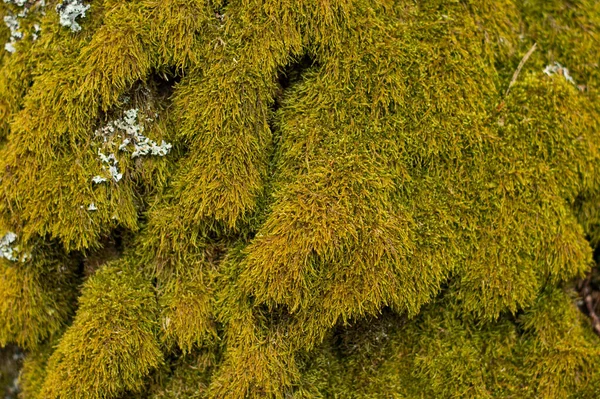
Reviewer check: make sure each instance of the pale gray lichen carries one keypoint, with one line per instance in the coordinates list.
(69, 11)
(109, 163)
(6, 249)
(145, 146)
(142, 145)
(19, 3)
(36, 31)
(125, 134)
(557, 68)
(12, 22)
(9, 251)
(98, 179)
(10, 47)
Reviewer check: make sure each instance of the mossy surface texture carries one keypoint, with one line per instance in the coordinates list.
(299, 199)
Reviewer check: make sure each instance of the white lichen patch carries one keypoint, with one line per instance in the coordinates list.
(98, 179)
(92, 207)
(10, 47)
(557, 68)
(125, 134)
(18, 3)
(109, 163)
(36, 31)
(12, 21)
(6, 249)
(69, 11)
(9, 251)
(145, 146)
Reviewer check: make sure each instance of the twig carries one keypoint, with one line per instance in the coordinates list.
(589, 303)
(518, 71)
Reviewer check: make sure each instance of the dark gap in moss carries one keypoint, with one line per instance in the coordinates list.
(118, 237)
(596, 254)
(161, 376)
(212, 234)
(274, 315)
(162, 82)
(292, 74)
(219, 7)
(184, 370)
(11, 361)
(111, 249)
(216, 253)
(515, 319)
(588, 287)
(249, 235)
(419, 162)
(81, 266)
(367, 336)
(444, 290)
(286, 78)
(589, 294)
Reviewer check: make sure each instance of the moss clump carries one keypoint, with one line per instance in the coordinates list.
(33, 372)
(283, 199)
(37, 296)
(111, 345)
(188, 378)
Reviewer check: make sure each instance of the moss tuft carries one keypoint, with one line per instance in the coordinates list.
(112, 343)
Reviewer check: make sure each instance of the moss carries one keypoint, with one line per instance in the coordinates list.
(112, 343)
(189, 378)
(33, 372)
(440, 355)
(187, 305)
(347, 198)
(37, 297)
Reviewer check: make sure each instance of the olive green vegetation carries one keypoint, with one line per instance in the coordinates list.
(344, 199)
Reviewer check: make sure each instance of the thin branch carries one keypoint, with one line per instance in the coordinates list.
(521, 64)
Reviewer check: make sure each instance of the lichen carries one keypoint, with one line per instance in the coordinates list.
(122, 135)
(130, 129)
(556, 68)
(36, 31)
(12, 252)
(7, 251)
(12, 22)
(110, 164)
(69, 11)
(18, 3)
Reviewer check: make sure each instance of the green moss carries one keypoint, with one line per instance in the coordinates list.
(360, 199)
(189, 378)
(33, 372)
(36, 297)
(187, 305)
(112, 343)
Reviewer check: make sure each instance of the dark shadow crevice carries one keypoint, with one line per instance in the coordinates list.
(11, 361)
(162, 82)
(290, 75)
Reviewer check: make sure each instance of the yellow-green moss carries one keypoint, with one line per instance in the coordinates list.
(37, 296)
(111, 345)
(360, 199)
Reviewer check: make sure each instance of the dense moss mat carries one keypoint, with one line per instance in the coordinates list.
(299, 199)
